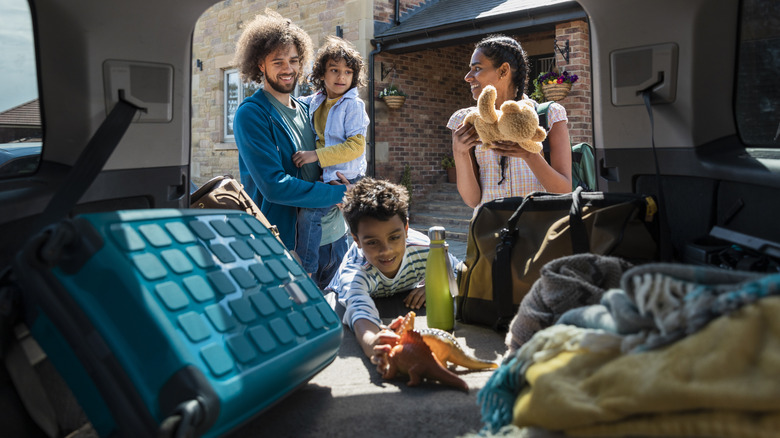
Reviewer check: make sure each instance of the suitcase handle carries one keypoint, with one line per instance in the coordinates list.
(183, 422)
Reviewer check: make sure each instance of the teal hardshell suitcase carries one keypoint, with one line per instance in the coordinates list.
(174, 322)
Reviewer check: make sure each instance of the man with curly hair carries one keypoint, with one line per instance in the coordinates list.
(387, 258)
(271, 125)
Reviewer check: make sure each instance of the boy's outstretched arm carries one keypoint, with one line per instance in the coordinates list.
(366, 333)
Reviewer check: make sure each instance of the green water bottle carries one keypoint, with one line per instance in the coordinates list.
(439, 305)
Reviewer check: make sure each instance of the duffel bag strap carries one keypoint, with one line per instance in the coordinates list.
(502, 279)
(580, 243)
(502, 270)
(502, 263)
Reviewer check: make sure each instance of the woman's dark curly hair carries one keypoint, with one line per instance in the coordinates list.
(264, 35)
(500, 49)
(336, 49)
(376, 198)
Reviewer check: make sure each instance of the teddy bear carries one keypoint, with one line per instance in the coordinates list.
(517, 121)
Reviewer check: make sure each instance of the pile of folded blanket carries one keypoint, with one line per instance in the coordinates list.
(652, 350)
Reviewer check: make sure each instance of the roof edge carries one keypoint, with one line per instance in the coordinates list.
(528, 19)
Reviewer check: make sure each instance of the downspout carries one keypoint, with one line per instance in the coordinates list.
(397, 12)
(372, 111)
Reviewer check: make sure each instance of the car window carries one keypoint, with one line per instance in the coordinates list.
(20, 120)
(758, 91)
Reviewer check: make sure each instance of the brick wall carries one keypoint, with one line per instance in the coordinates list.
(416, 134)
(578, 102)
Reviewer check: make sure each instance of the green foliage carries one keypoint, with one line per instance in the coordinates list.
(537, 95)
(392, 90)
(447, 161)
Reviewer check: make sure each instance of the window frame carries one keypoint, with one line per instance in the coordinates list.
(244, 90)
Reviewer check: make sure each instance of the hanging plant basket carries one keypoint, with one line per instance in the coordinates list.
(394, 102)
(556, 91)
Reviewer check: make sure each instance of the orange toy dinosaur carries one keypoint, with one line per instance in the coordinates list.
(413, 357)
(424, 353)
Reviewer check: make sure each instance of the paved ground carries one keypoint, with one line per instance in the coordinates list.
(350, 399)
(458, 249)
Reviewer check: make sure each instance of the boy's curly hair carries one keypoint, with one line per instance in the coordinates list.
(261, 37)
(336, 49)
(379, 199)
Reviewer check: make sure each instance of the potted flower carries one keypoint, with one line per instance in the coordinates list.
(553, 85)
(393, 96)
(448, 163)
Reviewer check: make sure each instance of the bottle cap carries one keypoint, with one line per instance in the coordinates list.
(436, 233)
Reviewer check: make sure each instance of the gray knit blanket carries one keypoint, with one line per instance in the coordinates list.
(564, 283)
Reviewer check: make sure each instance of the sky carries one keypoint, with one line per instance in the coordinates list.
(18, 83)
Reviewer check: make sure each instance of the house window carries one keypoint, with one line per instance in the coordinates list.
(235, 92)
(539, 64)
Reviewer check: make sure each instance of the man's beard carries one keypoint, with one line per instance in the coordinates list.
(279, 88)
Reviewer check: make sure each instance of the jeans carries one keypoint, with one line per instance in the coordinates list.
(330, 257)
(310, 234)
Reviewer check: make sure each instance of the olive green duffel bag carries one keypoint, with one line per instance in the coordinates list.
(510, 239)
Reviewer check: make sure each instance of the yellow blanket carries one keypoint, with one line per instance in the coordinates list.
(717, 382)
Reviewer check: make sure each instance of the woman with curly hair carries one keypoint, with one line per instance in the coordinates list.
(271, 125)
(340, 122)
(386, 261)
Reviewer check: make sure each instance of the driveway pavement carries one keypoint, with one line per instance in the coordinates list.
(350, 399)
(458, 249)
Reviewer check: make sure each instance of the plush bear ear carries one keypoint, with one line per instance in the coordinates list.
(540, 134)
(510, 106)
(531, 146)
(487, 105)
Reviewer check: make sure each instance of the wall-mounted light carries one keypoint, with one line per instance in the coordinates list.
(199, 64)
(564, 52)
(339, 32)
(386, 70)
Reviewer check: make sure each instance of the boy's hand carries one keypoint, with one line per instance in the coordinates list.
(304, 157)
(341, 181)
(416, 298)
(384, 341)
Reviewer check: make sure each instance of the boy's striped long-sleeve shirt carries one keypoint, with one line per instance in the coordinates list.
(357, 281)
